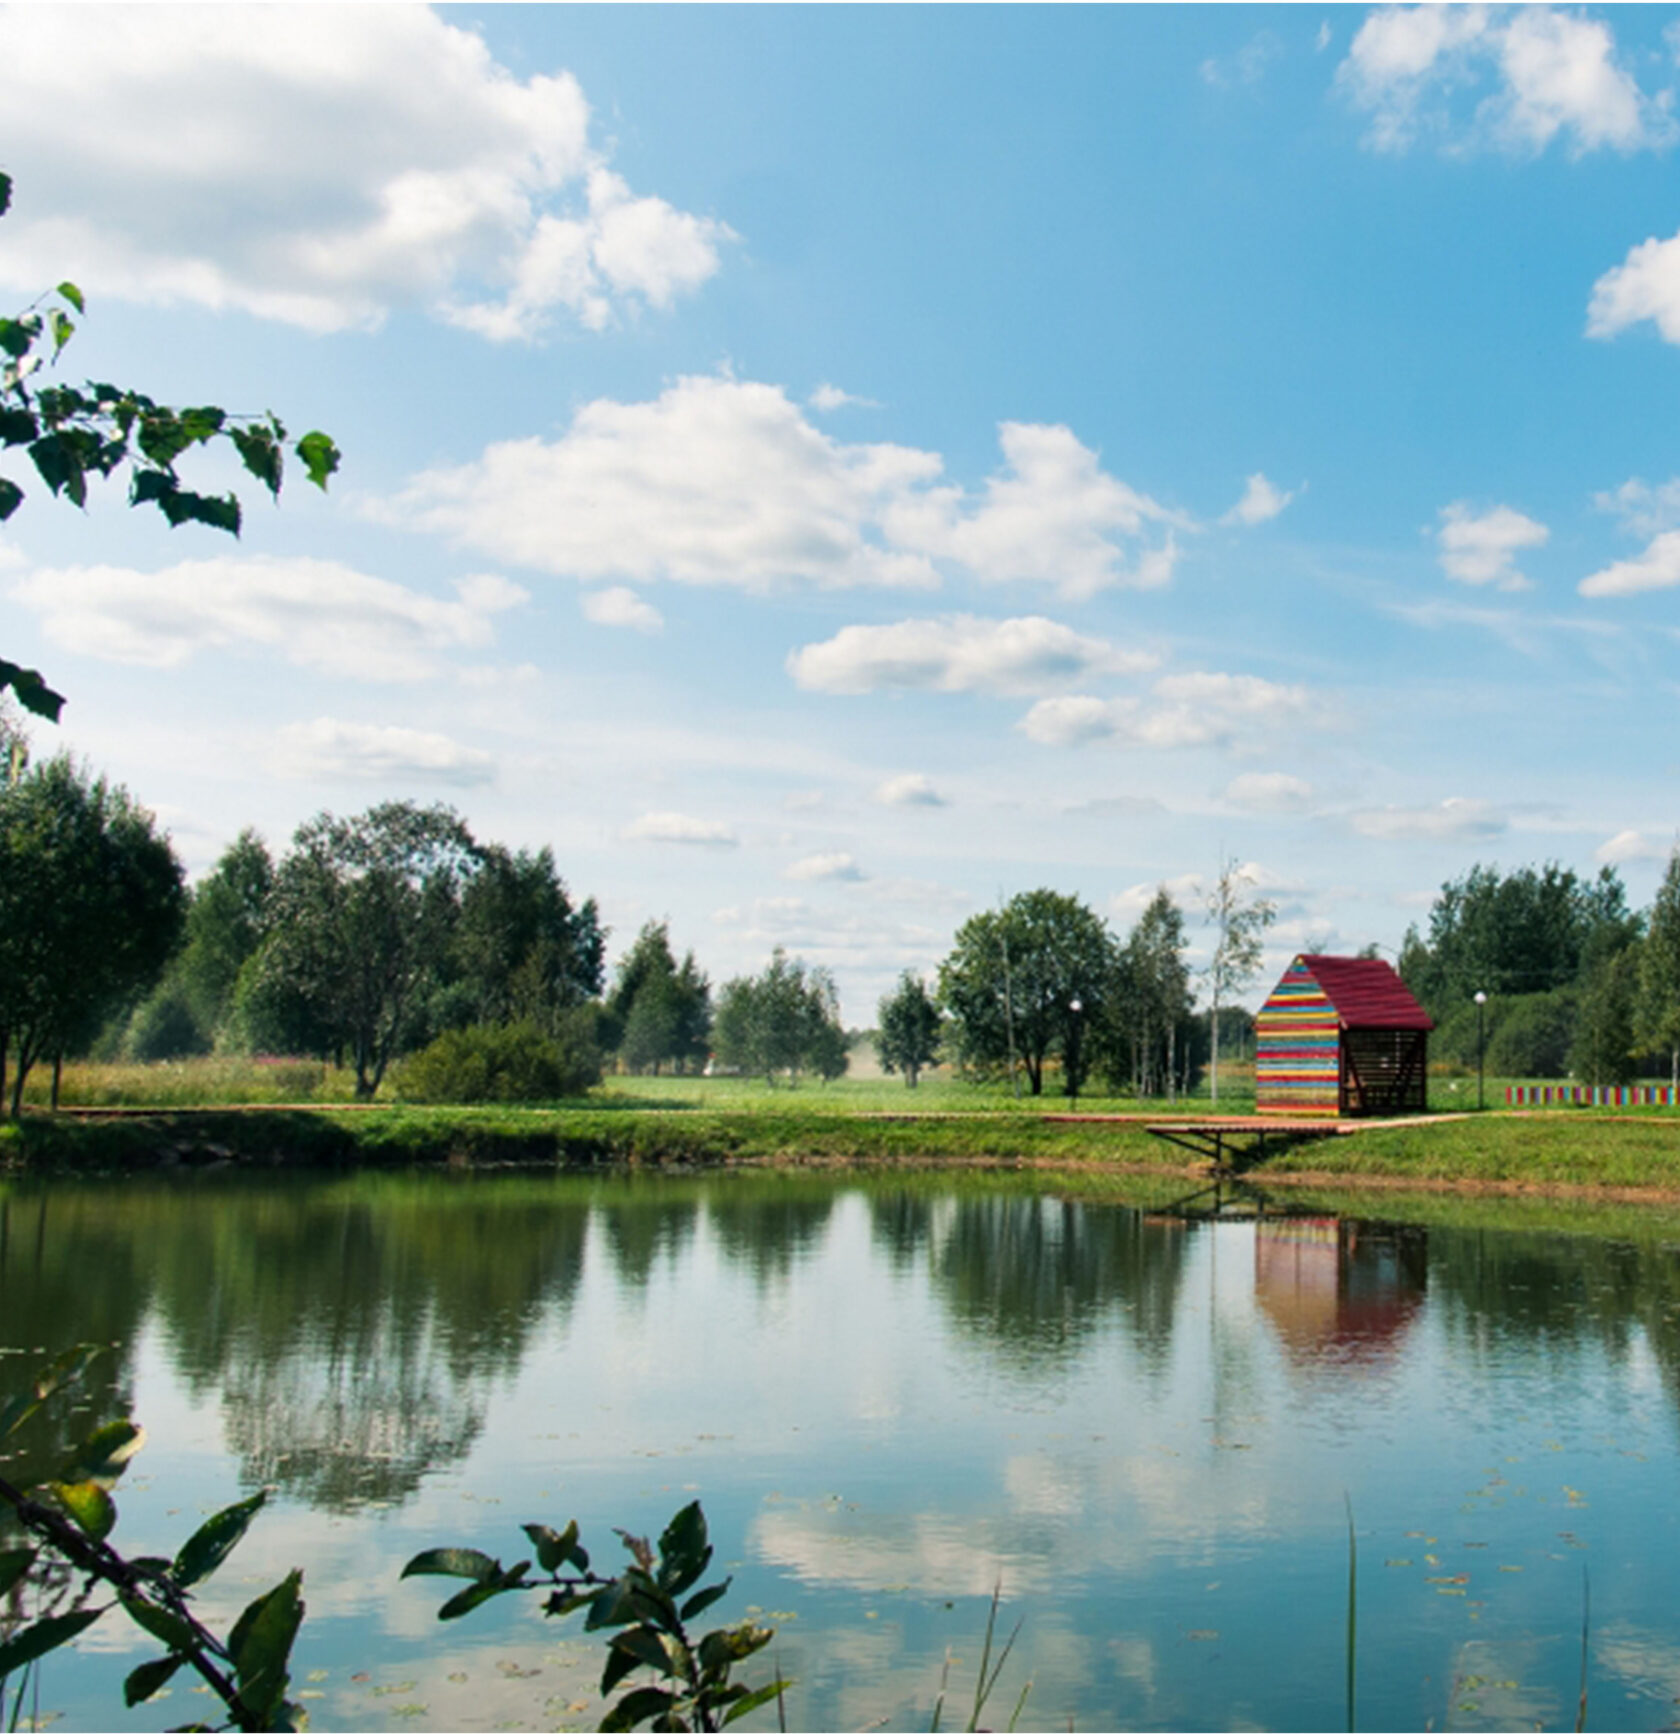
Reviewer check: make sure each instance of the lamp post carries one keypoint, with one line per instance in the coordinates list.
(1075, 1007)
(1481, 1001)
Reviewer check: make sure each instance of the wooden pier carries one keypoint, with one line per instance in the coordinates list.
(1238, 1141)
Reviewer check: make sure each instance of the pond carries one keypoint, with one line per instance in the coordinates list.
(894, 1393)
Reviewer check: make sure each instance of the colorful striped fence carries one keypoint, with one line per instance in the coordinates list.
(1590, 1096)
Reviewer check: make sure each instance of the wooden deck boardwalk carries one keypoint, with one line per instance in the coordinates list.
(1239, 1140)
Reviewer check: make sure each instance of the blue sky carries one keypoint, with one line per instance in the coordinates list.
(823, 470)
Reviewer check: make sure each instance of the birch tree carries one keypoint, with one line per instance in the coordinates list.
(1238, 919)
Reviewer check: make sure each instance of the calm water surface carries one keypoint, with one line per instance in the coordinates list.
(891, 1396)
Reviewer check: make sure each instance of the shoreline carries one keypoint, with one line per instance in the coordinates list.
(1582, 1153)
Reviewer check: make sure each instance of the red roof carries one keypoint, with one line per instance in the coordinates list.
(1367, 993)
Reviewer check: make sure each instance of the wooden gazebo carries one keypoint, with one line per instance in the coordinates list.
(1341, 1036)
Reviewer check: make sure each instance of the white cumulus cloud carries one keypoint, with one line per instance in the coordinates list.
(1512, 78)
(327, 750)
(619, 605)
(1260, 502)
(1457, 819)
(958, 653)
(321, 167)
(1052, 515)
(1642, 508)
(912, 789)
(1658, 568)
(1483, 548)
(316, 613)
(1187, 710)
(681, 828)
(835, 865)
(728, 482)
(1646, 285)
(1629, 846)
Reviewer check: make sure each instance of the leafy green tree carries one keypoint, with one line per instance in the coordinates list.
(1604, 1049)
(99, 429)
(1657, 1017)
(907, 1028)
(1012, 980)
(522, 951)
(1505, 934)
(364, 914)
(1144, 1031)
(1238, 921)
(190, 1008)
(659, 1011)
(783, 1020)
(91, 907)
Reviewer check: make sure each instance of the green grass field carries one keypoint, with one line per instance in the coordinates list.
(700, 1121)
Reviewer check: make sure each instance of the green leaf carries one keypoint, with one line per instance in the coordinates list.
(17, 336)
(88, 1505)
(106, 1453)
(5, 193)
(17, 427)
(464, 1601)
(199, 425)
(634, 1708)
(168, 1628)
(219, 511)
(764, 1695)
(14, 1562)
(721, 1649)
(696, 1605)
(619, 1664)
(11, 497)
(683, 1550)
(63, 329)
(162, 438)
(148, 1678)
(36, 1640)
(261, 454)
(653, 1650)
(261, 1645)
(614, 1606)
(18, 1409)
(34, 695)
(320, 457)
(60, 466)
(454, 1562)
(213, 1541)
(554, 1547)
(73, 295)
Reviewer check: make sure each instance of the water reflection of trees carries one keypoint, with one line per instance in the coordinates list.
(767, 1228)
(353, 1330)
(62, 1271)
(648, 1221)
(1034, 1276)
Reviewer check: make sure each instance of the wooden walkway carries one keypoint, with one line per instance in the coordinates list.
(1238, 1141)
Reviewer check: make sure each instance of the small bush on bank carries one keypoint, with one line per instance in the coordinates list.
(502, 1063)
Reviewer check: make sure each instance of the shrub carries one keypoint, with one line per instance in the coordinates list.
(163, 1027)
(503, 1063)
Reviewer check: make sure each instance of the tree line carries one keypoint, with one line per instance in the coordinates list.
(1042, 986)
(1577, 982)
(395, 936)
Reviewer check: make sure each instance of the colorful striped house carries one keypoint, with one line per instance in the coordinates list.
(1341, 1036)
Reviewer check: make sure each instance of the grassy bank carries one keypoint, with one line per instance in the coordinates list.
(1571, 1148)
(573, 1137)
(194, 1113)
